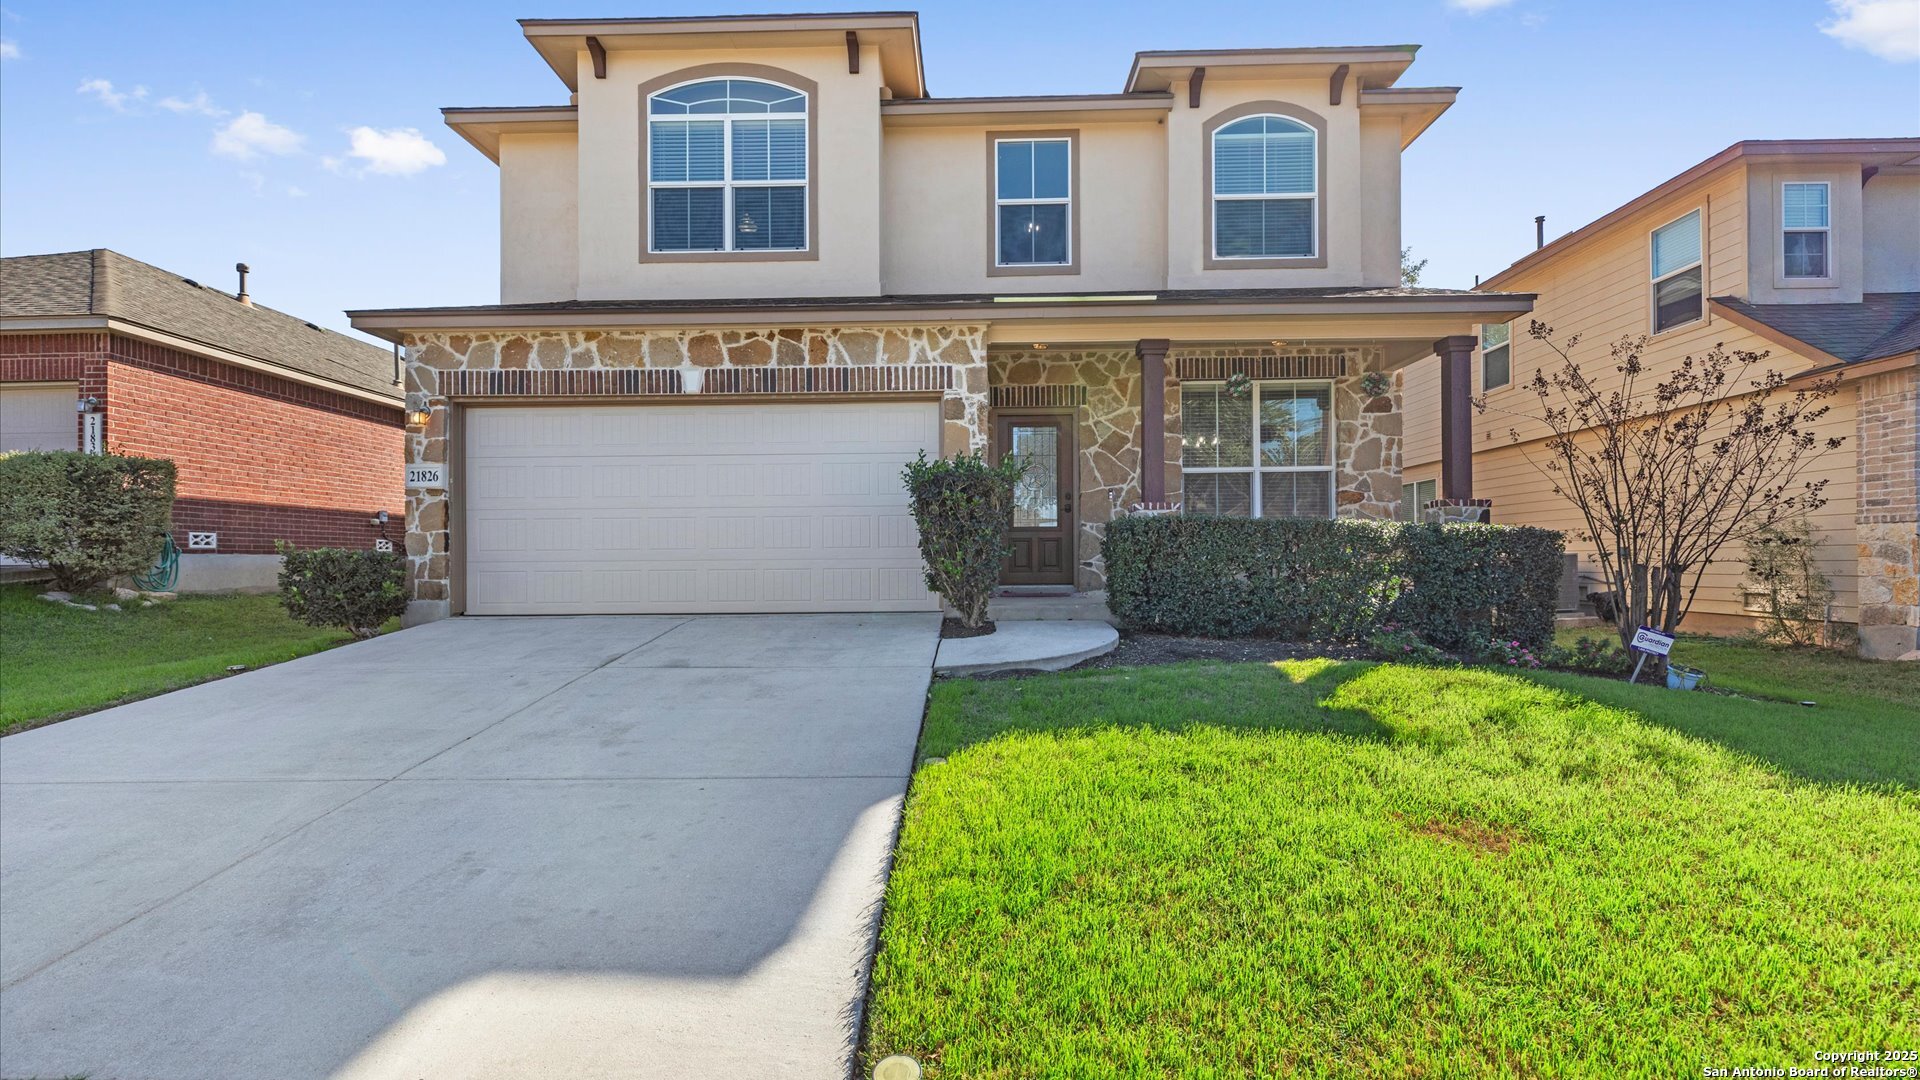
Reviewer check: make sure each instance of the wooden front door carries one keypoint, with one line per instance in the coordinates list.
(1043, 518)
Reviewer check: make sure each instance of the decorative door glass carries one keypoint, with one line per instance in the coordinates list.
(1036, 499)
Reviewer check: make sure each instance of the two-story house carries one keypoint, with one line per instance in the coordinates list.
(1808, 250)
(753, 265)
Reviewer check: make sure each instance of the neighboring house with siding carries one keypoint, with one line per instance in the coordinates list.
(753, 265)
(280, 430)
(1806, 249)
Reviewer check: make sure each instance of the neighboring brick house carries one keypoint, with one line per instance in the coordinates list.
(1807, 249)
(281, 430)
(752, 266)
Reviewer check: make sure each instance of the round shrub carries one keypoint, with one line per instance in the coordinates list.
(963, 506)
(85, 517)
(356, 590)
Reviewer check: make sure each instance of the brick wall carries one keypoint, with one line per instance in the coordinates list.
(1888, 514)
(260, 458)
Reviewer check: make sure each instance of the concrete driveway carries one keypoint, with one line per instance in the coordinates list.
(568, 847)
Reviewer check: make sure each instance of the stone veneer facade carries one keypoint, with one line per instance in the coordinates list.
(1102, 386)
(662, 365)
(1887, 517)
(1368, 426)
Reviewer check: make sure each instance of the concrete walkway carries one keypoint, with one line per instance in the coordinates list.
(588, 847)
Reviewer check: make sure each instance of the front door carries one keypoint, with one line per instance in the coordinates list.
(1043, 520)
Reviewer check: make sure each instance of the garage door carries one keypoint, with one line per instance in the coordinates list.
(693, 508)
(38, 418)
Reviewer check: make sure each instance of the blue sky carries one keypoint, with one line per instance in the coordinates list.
(306, 139)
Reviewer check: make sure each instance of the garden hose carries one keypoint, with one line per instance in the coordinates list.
(166, 571)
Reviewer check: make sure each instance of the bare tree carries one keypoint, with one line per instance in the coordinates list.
(1666, 476)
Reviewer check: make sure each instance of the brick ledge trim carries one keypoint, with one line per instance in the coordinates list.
(1260, 367)
(674, 382)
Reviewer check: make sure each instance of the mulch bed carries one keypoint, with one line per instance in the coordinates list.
(954, 628)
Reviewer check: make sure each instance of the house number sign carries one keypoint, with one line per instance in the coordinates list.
(429, 476)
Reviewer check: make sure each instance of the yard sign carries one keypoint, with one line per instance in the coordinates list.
(1649, 642)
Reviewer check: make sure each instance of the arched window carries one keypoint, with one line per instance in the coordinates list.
(1266, 176)
(727, 167)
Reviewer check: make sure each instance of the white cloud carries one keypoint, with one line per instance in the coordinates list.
(395, 152)
(103, 91)
(295, 191)
(1475, 7)
(9, 50)
(199, 103)
(1889, 29)
(250, 134)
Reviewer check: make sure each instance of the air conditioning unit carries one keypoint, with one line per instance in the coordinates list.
(203, 541)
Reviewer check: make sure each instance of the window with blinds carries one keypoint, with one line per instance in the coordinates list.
(727, 167)
(1265, 450)
(1678, 284)
(1265, 189)
(1804, 223)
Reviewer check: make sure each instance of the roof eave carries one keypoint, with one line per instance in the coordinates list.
(559, 41)
(1387, 62)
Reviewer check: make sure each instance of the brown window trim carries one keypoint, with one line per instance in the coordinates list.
(811, 252)
(1316, 261)
(1072, 265)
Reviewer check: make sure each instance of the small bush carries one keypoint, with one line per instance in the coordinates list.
(1453, 586)
(1513, 654)
(1798, 597)
(1603, 656)
(963, 507)
(85, 517)
(356, 590)
(1403, 646)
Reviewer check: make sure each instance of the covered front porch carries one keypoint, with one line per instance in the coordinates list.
(1273, 428)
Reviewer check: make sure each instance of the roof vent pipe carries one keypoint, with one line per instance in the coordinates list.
(1539, 231)
(242, 295)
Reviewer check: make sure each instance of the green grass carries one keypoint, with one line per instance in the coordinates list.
(57, 661)
(1339, 869)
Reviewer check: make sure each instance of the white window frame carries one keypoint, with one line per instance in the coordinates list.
(1653, 283)
(1312, 198)
(1485, 384)
(1826, 229)
(1411, 488)
(1331, 468)
(728, 183)
(999, 260)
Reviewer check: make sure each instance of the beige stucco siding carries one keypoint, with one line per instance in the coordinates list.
(1891, 232)
(845, 171)
(1769, 282)
(539, 218)
(939, 232)
(1344, 192)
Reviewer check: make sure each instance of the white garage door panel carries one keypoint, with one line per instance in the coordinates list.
(693, 508)
(38, 418)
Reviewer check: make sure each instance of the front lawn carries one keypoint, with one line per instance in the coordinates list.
(56, 661)
(1343, 868)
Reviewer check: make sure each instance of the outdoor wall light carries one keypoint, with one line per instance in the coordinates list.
(87, 405)
(418, 418)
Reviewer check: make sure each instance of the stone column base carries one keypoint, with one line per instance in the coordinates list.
(1457, 511)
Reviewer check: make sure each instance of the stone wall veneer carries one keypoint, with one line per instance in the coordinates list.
(668, 364)
(1367, 427)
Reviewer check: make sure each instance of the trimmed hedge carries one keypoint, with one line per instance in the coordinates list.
(1457, 586)
(357, 590)
(86, 517)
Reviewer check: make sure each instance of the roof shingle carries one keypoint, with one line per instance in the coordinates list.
(1880, 325)
(100, 282)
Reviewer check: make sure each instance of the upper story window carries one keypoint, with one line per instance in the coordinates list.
(1033, 202)
(1496, 356)
(1804, 229)
(1265, 189)
(1678, 284)
(727, 167)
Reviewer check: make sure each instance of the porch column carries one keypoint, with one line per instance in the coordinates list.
(1456, 415)
(1153, 418)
